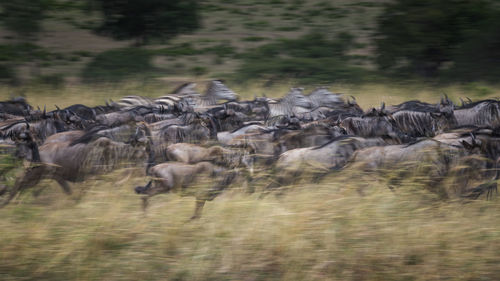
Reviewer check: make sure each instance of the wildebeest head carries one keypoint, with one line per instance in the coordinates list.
(352, 107)
(380, 112)
(446, 106)
(16, 106)
(26, 147)
(143, 189)
(445, 118)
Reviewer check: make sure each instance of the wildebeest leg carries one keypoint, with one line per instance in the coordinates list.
(3, 189)
(30, 178)
(145, 203)
(64, 185)
(198, 208)
(145, 199)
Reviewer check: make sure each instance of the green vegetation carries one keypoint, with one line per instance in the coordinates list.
(23, 17)
(185, 49)
(54, 80)
(24, 52)
(6, 73)
(118, 65)
(254, 39)
(311, 58)
(419, 37)
(148, 19)
(444, 41)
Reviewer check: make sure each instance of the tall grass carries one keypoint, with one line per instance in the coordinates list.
(324, 231)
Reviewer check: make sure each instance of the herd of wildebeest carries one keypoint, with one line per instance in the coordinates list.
(201, 144)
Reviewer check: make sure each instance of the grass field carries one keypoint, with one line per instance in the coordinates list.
(324, 231)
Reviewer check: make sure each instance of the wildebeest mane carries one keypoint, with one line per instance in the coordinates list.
(473, 104)
(339, 138)
(90, 135)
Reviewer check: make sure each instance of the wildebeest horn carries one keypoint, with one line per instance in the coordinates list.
(382, 107)
(57, 107)
(470, 101)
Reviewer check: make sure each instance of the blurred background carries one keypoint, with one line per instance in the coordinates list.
(254, 45)
(88, 51)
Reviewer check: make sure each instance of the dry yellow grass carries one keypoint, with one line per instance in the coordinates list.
(324, 231)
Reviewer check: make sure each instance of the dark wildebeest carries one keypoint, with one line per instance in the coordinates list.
(426, 124)
(413, 105)
(372, 127)
(482, 113)
(67, 160)
(17, 106)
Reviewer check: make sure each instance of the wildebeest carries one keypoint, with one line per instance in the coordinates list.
(319, 160)
(428, 160)
(373, 127)
(17, 106)
(70, 161)
(484, 113)
(426, 124)
(186, 179)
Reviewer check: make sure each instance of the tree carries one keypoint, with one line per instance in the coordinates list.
(147, 19)
(23, 16)
(421, 35)
(479, 56)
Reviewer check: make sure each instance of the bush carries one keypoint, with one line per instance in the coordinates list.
(184, 49)
(420, 36)
(23, 52)
(198, 70)
(53, 80)
(222, 50)
(118, 65)
(149, 19)
(6, 73)
(254, 39)
(311, 58)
